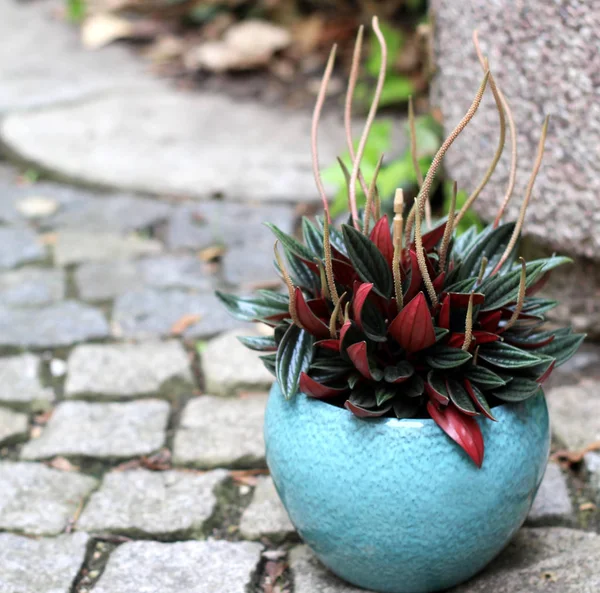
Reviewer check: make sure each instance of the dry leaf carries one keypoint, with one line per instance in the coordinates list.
(211, 253)
(184, 322)
(573, 457)
(49, 238)
(248, 477)
(101, 29)
(62, 464)
(587, 506)
(43, 418)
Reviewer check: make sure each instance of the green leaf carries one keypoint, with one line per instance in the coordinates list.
(506, 356)
(440, 332)
(445, 357)
(519, 389)
(269, 362)
(484, 377)
(301, 274)
(290, 244)
(373, 323)
(312, 237)
(336, 238)
(502, 289)
(406, 408)
(401, 370)
(368, 261)
(414, 387)
(460, 398)
(482, 401)
(259, 343)
(293, 357)
(562, 347)
(383, 393)
(251, 308)
(397, 89)
(538, 306)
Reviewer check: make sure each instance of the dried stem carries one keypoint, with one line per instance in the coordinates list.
(437, 160)
(513, 158)
(315, 128)
(370, 118)
(349, 96)
(328, 263)
(370, 194)
(448, 230)
(520, 298)
(468, 325)
(396, 269)
(501, 139)
(536, 167)
(334, 316)
(422, 261)
(415, 157)
(289, 284)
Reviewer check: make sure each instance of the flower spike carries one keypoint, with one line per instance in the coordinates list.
(414, 156)
(329, 264)
(290, 286)
(396, 269)
(334, 317)
(521, 296)
(422, 261)
(468, 325)
(370, 194)
(448, 230)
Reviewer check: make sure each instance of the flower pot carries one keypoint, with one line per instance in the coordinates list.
(396, 506)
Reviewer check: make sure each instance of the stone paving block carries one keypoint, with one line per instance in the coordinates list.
(32, 287)
(99, 281)
(574, 413)
(592, 464)
(47, 565)
(126, 370)
(74, 247)
(229, 367)
(20, 386)
(216, 431)
(61, 324)
(152, 313)
(142, 503)
(181, 567)
(552, 501)
(102, 430)
(37, 500)
(19, 246)
(266, 515)
(14, 426)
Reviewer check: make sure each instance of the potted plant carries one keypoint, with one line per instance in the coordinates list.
(407, 432)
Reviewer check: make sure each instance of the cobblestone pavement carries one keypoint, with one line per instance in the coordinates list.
(131, 452)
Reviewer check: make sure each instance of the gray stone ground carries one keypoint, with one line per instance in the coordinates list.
(122, 466)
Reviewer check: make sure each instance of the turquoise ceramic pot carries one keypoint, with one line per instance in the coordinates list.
(394, 505)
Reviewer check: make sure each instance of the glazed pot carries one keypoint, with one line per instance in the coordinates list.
(394, 505)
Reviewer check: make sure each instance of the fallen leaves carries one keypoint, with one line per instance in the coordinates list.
(567, 457)
(184, 322)
(247, 477)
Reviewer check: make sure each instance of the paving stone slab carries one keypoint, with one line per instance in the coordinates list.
(102, 430)
(61, 324)
(143, 503)
(46, 565)
(266, 515)
(14, 426)
(74, 247)
(99, 281)
(32, 287)
(37, 500)
(592, 464)
(229, 367)
(181, 567)
(552, 502)
(152, 313)
(126, 370)
(20, 386)
(216, 431)
(574, 413)
(19, 246)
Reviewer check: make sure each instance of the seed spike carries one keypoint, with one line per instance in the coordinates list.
(349, 96)
(501, 139)
(347, 313)
(396, 269)
(536, 167)
(437, 160)
(315, 129)
(521, 296)
(289, 284)
(323, 278)
(328, 263)
(334, 316)
(415, 157)
(468, 325)
(482, 267)
(448, 230)
(370, 117)
(421, 260)
(370, 194)
(512, 176)
(377, 205)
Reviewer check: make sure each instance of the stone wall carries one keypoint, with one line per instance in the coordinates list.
(544, 56)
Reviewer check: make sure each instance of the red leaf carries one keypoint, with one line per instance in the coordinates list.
(460, 300)
(343, 272)
(315, 389)
(436, 395)
(273, 320)
(364, 413)
(478, 405)
(358, 355)
(319, 307)
(456, 340)
(483, 337)
(308, 319)
(438, 283)
(444, 318)
(347, 325)
(329, 344)
(382, 237)
(546, 373)
(490, 321)
(413, 328)
(358, 300)
(432, 238)
(462, 429)
(415, 277)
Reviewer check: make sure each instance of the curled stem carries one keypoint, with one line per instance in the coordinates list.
(448, 230)
(396, 269)
(370, 118)
(334, 317)
(289, 284)
(372, 191)
(468, 325)
(315, 128)
(422, 261)
(437, 160)
(512, 176)
(521, 296)
(536, 167)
